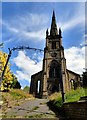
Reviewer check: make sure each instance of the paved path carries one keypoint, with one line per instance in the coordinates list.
(31, 109)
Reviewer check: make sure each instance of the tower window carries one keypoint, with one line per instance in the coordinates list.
(54, 71)
(53, 45)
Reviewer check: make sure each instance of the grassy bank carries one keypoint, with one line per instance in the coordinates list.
(71, 96)
(74, 95)
(14, 98)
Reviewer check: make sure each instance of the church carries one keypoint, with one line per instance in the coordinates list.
(55, 76)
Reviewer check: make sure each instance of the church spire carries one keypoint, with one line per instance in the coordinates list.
(53, 30)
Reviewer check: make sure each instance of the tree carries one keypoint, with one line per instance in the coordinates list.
(15, 84)
(26, 89)
(9, 78)
(84, 78)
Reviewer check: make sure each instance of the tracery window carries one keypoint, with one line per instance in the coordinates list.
(54, 71)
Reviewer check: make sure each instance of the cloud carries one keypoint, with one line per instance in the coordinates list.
(27, 66)
(22, 75)
(25, 27)
(72, 23)
(39, 35)
(75, 59)
(78, 18)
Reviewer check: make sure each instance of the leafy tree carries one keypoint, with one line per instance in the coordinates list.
(26, 89)
(15, 84)
(9, 79)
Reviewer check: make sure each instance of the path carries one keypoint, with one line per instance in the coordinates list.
(31, 109)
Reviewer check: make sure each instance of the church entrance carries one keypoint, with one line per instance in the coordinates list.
(54, 77)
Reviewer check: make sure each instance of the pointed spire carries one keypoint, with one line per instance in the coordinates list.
(53, 30)
(53, 14)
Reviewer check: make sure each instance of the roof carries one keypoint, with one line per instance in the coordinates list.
(37, 73)
(73, 72)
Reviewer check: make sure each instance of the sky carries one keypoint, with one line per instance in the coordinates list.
(25, 24)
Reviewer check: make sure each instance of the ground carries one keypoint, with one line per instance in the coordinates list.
(36, 108)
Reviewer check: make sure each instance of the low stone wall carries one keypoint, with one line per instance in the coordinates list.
(75, 110)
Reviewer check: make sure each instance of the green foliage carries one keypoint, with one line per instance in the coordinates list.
(17, 94)
(84, 78)
(35, 108)
(56, 99)
(74, 95)
(14, 94)
(26, 89)
(58, 102)
(71, 96)
(14, 97)
(15, 84)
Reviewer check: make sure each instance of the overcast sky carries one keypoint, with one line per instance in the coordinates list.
(25, 23)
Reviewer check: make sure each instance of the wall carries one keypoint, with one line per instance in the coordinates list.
(75, 110)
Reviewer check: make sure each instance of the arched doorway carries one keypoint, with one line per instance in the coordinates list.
(54, 77)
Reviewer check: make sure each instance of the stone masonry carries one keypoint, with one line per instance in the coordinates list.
(54, 76)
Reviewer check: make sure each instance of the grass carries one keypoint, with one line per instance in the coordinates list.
(56, 99)
(42, 115)
(71, 96)
(35, 108)
(15, 94)
(74, 95)
(14, 98)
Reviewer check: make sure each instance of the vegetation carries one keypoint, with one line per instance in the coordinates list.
(84, 78)
(71, 96)
(9, 81)
(14, 97)
(35, 108)
(74, 95)
(14, 94)
(26, 89)
(56, 99)
(15, 84)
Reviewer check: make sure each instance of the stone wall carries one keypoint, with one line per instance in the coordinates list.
(75, 110)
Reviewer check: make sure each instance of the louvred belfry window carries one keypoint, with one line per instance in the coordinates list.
(53, 45)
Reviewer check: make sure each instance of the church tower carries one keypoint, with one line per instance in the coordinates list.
(54, 63)
(54, 76)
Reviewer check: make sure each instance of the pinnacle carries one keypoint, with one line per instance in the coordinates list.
(53, 14)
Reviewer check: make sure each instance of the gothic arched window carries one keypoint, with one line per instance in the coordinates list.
(54, 71)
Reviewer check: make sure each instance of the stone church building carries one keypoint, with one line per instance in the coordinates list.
(54, 76)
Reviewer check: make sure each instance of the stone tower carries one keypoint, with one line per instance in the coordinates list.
(54, 76)
(54, 63)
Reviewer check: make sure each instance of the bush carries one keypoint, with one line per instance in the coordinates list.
(26, 89)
